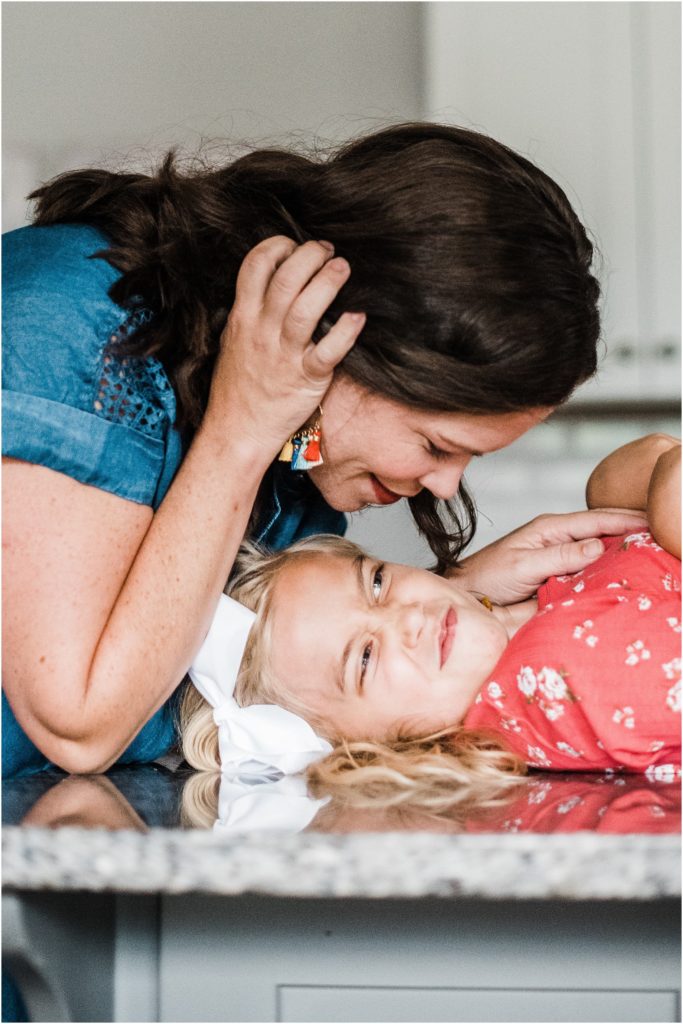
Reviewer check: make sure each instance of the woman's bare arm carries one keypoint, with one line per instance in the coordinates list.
(644, 474)
(106, 603)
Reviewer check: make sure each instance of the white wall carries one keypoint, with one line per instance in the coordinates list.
(120, 82)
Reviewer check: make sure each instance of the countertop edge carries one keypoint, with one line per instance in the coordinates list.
(519, 866)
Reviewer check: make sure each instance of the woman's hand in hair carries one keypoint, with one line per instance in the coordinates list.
(514, 567)
(270, 375)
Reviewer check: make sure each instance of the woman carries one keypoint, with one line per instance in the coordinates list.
(448, 307)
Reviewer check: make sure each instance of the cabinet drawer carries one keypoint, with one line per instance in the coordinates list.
(366, 1003)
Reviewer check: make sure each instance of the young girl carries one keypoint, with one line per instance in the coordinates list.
(414, 678)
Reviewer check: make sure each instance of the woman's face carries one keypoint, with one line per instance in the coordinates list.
(377, 451)
(376, 650)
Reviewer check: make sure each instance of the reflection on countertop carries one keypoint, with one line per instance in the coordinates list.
(151, 796)
(148, 829)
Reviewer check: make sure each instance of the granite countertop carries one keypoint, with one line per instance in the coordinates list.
(582, 865)
(132, 831)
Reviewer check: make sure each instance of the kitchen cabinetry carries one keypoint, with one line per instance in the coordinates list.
(590, 92)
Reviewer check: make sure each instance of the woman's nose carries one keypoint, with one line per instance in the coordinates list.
(443, 481)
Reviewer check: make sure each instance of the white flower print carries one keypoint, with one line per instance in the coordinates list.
(617, 585)
(569, 805)
(512, 825)
(567, 749)
(569, 603)
(494, 690)
(624, 716)
(662, 772)
(538, 793)
(579, 587)
(511, 724)
(551, 683)
(644, 603)
(552, 711)
(538, 757)
(636, 652)
(672, 669)
(673, 697)
(600, 744)
(657, 745)
(641, 540)
(657, 812)
(674, 623)
(580, 633)
(526, 681)
(670, 584)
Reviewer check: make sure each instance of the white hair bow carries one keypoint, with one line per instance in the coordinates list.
(258, 737)
(249, 804)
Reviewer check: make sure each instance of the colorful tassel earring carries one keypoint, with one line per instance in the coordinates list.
(302, 450)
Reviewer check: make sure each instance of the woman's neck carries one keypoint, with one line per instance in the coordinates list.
(513, 616)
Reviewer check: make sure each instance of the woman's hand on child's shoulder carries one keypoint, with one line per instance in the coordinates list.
(514, 567)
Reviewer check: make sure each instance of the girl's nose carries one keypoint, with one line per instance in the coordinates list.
(410, 621)
(443, 481)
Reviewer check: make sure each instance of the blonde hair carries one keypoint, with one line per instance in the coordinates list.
(422, 770)
(399, 808)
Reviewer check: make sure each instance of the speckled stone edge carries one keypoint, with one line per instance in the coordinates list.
(583, 865)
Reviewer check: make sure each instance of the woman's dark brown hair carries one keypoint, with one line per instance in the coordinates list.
(472, 268)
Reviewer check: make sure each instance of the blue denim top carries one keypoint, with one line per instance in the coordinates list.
(70, 403)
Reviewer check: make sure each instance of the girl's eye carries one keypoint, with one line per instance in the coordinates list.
(437, 453)
(377, 578)
(365, 661)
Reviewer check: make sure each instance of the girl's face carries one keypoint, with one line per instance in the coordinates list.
(376, 650)
(377, 451)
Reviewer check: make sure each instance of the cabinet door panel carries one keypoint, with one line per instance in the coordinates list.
(591, 93)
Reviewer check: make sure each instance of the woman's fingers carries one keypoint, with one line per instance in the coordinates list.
(568, 526)
(289, 281)
(257, 270)
(321, 359)
(310, 305)
(562, 559)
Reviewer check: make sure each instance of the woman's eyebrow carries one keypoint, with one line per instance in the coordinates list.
(359, 567)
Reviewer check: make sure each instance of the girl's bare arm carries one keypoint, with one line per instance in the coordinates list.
(644, 474)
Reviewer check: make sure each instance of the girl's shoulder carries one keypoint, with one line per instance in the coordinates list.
(632, 561)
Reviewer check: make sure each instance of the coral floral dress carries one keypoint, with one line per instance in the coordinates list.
(593, 681)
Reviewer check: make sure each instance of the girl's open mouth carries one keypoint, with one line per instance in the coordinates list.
(447, 635)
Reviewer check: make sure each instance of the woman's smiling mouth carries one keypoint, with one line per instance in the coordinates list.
(446, 636)
(383, 496)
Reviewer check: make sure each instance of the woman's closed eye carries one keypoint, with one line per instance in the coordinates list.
(437, 453)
